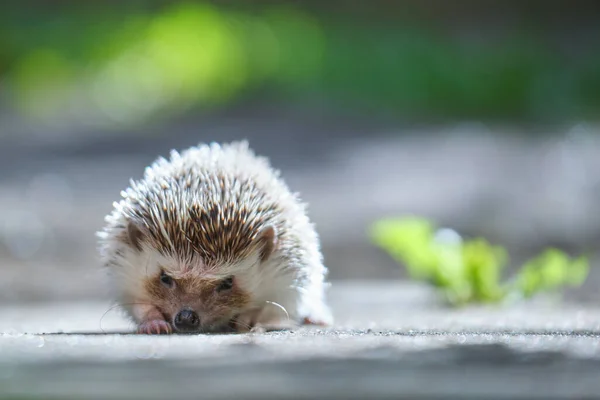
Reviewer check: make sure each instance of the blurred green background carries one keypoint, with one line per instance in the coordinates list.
(110, 63)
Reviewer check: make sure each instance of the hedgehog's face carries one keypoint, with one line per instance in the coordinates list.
(195, 303)
(187, 294)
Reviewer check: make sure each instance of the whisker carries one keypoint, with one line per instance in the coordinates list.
(237, 321)
(115, 306)
(280, 306)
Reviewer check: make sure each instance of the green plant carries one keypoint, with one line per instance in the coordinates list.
(470, 271)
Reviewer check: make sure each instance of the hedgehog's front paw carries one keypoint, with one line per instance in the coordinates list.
(317, 315)
(273, 326)
(154, 327)
(315, 322)
(262, 320)
(271, 320)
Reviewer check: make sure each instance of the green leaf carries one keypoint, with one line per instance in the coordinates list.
(550, 270)
(408, 241)
(471, 271)
(484, 264)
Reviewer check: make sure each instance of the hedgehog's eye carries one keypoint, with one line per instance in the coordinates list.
(166, 279)
(225, 284)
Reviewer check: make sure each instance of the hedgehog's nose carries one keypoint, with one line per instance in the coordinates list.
(186, 320)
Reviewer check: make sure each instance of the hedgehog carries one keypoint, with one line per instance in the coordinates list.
(213, 240)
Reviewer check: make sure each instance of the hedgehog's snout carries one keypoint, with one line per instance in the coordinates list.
(186, 320)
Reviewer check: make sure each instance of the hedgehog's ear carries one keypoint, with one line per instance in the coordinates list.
(135, 236)
(267, 239)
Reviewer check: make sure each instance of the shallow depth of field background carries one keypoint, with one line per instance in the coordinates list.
(480, 116)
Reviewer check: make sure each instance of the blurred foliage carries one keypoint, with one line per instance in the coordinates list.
(550, 270)
(147, 65)
(470, 271)
(134, 64)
